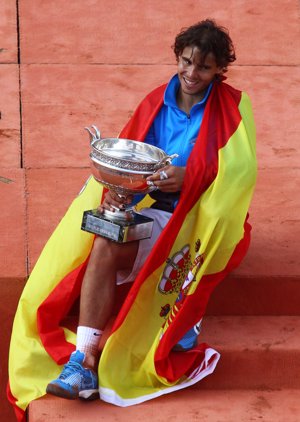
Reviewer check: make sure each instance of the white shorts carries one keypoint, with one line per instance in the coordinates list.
(161, 219)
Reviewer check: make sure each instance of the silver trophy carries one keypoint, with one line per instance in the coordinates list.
(122, 165)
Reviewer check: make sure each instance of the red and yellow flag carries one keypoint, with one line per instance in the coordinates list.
(206, 237)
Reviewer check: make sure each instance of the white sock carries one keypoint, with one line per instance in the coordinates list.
(88, 339)
(197, 327)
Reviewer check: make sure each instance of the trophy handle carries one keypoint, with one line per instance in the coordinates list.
(94, 136)
(165, 161)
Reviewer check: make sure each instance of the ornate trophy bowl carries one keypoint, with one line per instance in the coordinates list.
(122, 165)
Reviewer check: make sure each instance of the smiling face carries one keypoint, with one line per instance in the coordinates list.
(195, 73)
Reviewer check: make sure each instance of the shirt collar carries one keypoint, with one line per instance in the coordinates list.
(171, 91)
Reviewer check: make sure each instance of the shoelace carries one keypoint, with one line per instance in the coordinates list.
(69, 369)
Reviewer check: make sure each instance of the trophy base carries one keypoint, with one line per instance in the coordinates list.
(121, 231)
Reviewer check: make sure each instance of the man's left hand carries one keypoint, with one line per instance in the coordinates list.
(168, 178)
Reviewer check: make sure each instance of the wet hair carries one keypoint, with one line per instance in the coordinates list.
(208, 38)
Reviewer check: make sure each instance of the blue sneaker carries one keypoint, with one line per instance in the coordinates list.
(189, 340)
(75, 381)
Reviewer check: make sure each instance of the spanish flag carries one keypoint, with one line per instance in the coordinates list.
(207, 237)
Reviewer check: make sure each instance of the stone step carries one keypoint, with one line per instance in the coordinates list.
(186, 405)
(259, 295)
(257, 352)
(242, 295)
(254, 380)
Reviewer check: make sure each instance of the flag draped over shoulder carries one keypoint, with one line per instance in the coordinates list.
(206, 237)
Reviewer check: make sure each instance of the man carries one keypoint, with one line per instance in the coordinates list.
(203, 53)
(200, 234)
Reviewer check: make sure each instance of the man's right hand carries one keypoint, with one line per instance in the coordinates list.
(113, 201)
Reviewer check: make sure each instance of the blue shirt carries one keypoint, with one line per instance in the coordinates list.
(173, 130)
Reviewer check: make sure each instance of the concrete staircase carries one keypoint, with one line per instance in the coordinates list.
(256, 378)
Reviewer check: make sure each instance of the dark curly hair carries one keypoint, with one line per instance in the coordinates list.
(208, 38)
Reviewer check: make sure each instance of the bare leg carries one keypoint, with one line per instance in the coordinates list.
(99, 284)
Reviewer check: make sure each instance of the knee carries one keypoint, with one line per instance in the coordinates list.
(104, 248)
(101, 245)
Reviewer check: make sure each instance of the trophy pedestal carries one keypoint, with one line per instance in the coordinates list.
(119, 230)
